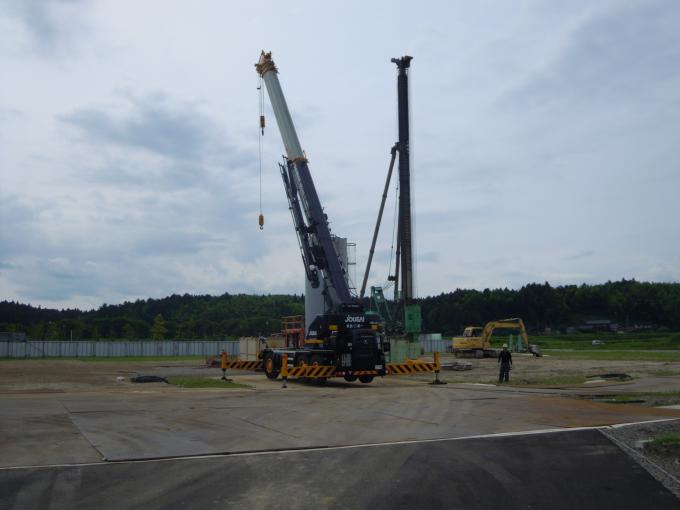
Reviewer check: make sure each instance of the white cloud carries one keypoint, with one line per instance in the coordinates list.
(544, 143)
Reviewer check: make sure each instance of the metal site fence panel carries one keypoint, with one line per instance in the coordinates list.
(116, 349)
(430, 345)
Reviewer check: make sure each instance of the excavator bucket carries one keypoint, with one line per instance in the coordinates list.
(535, 350)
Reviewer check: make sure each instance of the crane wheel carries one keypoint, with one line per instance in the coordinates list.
(270, 369)
(350, 378)
(366, 378)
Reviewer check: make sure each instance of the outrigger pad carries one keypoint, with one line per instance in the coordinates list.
(535, 350)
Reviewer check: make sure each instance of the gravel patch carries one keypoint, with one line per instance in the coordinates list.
(632, 438)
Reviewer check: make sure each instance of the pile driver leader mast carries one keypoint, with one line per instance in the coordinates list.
(405, 318)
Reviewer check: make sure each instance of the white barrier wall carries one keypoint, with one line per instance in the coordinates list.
(119, 349)
(115, 349)
(441, 345)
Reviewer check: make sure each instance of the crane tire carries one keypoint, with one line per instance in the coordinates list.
(269, 364)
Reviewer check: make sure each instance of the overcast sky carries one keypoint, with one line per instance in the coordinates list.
(545, 142)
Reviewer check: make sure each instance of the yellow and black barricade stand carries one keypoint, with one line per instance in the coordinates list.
(224, 364)
(284, 370)
(437, 369)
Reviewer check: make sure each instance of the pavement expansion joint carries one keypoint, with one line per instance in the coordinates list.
(82, 432)
(407, 418)
(271, 429)
(107, 411)
(472, 399)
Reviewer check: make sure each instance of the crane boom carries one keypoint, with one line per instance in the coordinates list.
(311, 224)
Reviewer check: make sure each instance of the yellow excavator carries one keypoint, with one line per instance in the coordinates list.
(476, 340)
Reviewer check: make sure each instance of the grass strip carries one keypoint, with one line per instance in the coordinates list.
(667, 444)
(121, 359)
(670, 438)
(652, 399)
(559, 380)
(615, 355)
(201, 382)
(611, 341)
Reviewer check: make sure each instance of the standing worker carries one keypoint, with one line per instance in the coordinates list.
(505, 360)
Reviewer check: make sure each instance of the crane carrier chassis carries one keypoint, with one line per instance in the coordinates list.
(273, 366)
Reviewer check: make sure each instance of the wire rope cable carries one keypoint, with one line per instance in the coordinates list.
(394, 230)
(260, 135)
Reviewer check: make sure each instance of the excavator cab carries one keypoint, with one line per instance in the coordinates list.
(472, 332)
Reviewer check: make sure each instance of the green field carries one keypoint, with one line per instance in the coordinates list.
(122, 359)
(646, 346)
(612, 341)
(611, 355)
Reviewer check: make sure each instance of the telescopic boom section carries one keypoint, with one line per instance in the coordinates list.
(318, 249)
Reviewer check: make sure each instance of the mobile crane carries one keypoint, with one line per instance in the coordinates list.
(345, 336)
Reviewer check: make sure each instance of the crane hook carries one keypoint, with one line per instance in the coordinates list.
(261, 221)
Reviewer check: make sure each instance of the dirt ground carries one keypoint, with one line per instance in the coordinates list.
(64, 376)
(551, 371)
(59, 376)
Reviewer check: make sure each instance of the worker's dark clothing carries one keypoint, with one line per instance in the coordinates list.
(505, 361)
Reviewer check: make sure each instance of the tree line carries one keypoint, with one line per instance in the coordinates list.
(626, 302)
(188, 317)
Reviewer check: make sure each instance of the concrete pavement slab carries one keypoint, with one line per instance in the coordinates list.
(86, 427)
(556, 471)
(38, 431)
(193, 423)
